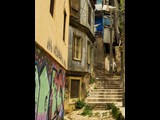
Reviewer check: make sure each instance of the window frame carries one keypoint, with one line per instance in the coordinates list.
(73, 100)
(79, 58)
(64, 25)
(52, 7)
(89, 14)
(88, 52)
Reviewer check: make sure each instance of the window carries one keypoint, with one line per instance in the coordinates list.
(88, 53)
(77, 47)
(51, 7)
(75, 86)
(75, 9)
(64, 25)
(89, 15)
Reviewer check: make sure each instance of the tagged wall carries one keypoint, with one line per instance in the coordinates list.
(49, 87)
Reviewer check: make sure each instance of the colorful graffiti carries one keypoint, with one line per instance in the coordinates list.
(49, 87)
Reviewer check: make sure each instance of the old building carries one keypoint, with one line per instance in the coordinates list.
(106, 23)
(80, 50)
(51, 57)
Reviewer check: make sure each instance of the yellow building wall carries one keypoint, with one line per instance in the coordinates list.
(49, 30)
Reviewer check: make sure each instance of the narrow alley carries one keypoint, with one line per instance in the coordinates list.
(80, 60)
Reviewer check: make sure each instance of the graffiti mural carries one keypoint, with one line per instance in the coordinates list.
(36, 89)
(49, 87)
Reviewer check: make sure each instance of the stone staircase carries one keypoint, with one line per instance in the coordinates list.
(107, 90)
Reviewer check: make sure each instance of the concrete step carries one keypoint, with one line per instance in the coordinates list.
(106, 90)
(106, 84)
(108, 78)
(102, 104)
(109, 86)
(105, 96)
(103, 99)
(104, 87)
(105, 93)
(109, 82)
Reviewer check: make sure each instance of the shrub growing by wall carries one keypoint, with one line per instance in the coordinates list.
(80, 104)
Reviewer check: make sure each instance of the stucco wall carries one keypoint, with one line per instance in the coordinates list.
(118, 58)
(49, 30)
(79, 65)
(84, 15)
(69, 104)
(99, 53)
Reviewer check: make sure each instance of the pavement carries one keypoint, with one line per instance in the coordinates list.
(97, 115)
(122, 109)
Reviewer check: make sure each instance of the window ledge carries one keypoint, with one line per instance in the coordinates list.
(88, 63)
(77, 59)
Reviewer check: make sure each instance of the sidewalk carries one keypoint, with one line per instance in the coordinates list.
(97, 115)
(122, 109)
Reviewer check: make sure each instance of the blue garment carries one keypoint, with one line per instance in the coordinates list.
(106, 21)
(98, 20)
(99, 1)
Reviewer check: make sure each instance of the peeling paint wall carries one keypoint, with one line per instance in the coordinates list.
(118, 58)
(84, 85)
(84, 15)
(99, 53)
(49, 87)
(79, 65)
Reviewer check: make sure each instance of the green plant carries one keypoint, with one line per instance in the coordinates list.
(87, 111)
(115, 111)
(95, 87)
(91, 81)
(87, 93)
(120, 117)
(97, 114)
(80, 104)
(109, 106)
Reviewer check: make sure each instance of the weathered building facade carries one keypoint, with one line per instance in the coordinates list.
(105, 23)
(51, 57)
(80, 50)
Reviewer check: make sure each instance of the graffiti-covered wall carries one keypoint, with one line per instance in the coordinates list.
(49, 87)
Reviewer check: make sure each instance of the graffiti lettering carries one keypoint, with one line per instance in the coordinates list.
(59, 55)
(56, 52)
(49, 45)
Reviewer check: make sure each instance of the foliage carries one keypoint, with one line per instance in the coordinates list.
(109, 106)
(115, 111)
(121, 17)
(97, 114)
(87, 111)
(92, 80)
(80, 104)
(120, 117)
